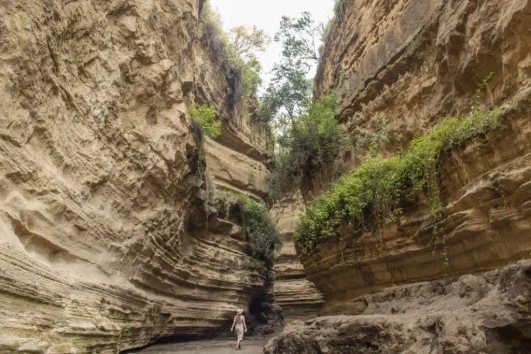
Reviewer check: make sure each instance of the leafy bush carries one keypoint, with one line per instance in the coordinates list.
(308, 141)
(372, 139)
(374, 193)
(206, 117)
(223, 202)
(261, 230)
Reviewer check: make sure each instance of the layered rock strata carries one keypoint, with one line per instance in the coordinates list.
(235, 171)
(413, 63)
(236, 159)
(486, 313)
(103, 237)
(298, 297)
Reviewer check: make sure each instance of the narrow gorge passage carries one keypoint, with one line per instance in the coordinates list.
(349, 176)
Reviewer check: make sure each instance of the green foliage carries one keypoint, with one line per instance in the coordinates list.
(289, 92)
(325, 31)
(197, 158)
(480, 90)
(260, 228)
(206, 117)
(238, 50)
(298, 37)
(339, 7)
(246, 41)
(262, 231)
(305, 143)
(374, 193)
(223, 202)
(308, 135)
(374, 138)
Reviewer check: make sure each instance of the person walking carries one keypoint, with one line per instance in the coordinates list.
(241, 327)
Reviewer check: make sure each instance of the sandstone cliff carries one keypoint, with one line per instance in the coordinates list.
(487, 313)
(410, 64)
(103, 240)
(298, 297)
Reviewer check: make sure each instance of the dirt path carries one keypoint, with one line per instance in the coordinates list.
(251, 346)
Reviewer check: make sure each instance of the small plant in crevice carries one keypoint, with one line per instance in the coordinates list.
(223, 201)
(206, 117)
(375, 193)
(339, 9)
(373, 139)
(480, 92)
(197, 158)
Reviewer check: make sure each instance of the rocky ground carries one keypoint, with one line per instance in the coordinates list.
(484, 313)
(225, 346)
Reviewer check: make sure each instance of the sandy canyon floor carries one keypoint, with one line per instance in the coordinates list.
(224, 346)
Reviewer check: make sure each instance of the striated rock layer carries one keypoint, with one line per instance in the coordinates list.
(414, 62)
(103, 240)
(487, 313)
(411, 63)
(236, 171)
(298, 297)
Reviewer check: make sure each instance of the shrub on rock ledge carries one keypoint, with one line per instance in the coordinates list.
(373, 194)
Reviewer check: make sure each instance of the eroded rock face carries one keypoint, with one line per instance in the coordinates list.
(488, 313)
(298, 297)
(236, 171)
(416, 62)
(100, 245)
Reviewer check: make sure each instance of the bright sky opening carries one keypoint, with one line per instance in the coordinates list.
(266, 15)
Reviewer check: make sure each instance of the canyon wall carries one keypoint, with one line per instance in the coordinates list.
(410, 64)
(487, 313)
(104, 243)
(298, 297)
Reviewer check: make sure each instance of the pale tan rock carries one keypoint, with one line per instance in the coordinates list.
(484, 313)
(298, 298)
(235, 171)
(416, 62)
(103, 241)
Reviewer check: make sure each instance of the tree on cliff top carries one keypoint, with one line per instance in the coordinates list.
(289, 92)
(307, 133)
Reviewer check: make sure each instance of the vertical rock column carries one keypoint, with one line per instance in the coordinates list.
(298, 297)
